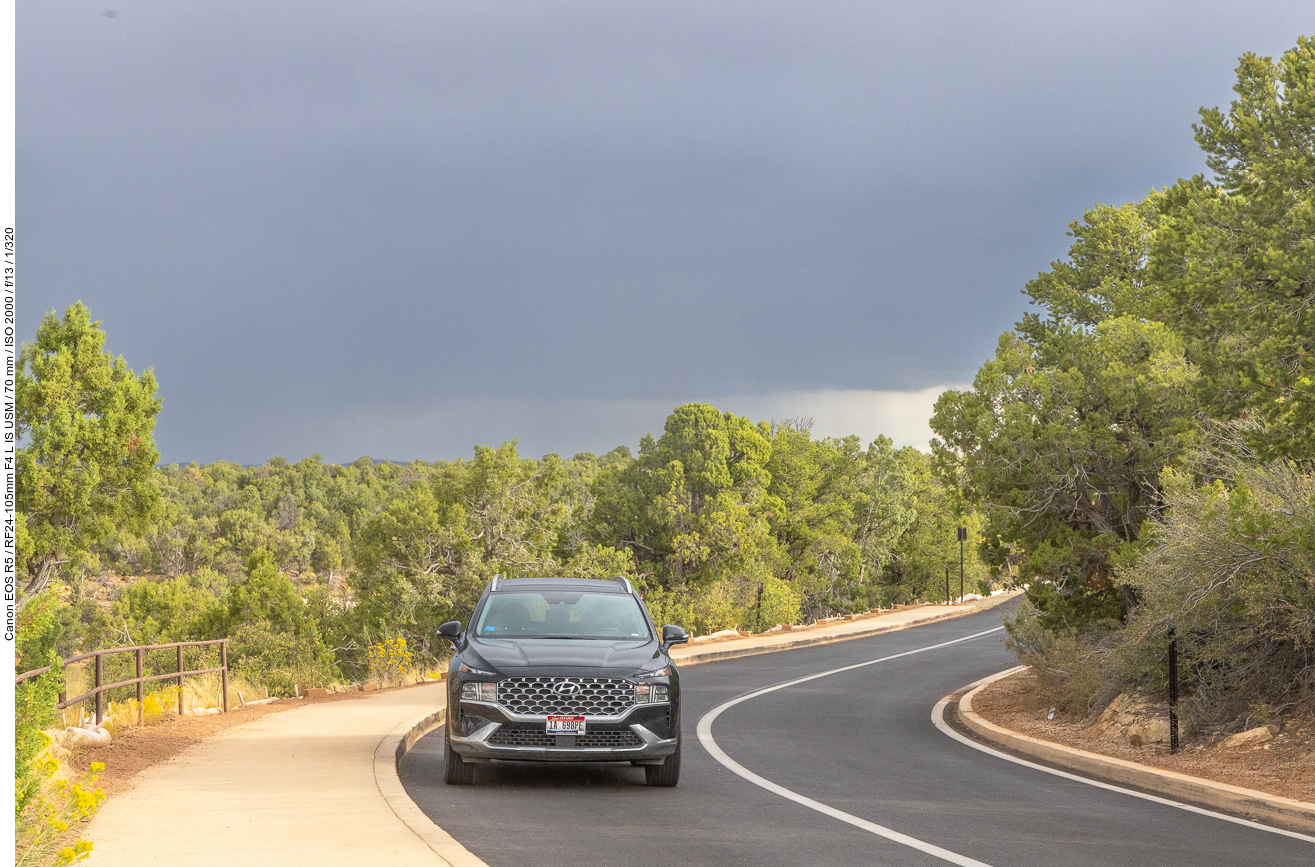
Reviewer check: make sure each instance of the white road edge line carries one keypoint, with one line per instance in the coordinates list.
(938, 719)
(709, 744)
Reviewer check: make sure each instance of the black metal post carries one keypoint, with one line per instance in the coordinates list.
(963, 537)
(1173, 691)
(758, 611)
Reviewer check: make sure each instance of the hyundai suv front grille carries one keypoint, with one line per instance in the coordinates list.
(573, 696)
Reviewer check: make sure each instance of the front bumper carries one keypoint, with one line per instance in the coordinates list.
(476, 747)
(643, 734)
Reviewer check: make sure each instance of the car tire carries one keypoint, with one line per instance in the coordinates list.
(455, 771)
(666, 774)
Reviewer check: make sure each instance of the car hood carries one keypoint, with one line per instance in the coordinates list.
(535, 656)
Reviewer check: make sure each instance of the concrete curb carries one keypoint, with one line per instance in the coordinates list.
(713, 654)
(1273, 809)
(387, 757)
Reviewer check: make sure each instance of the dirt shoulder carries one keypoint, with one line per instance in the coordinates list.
(1284, 765)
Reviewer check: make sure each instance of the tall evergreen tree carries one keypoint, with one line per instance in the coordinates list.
(1237, 254)
(86, 466)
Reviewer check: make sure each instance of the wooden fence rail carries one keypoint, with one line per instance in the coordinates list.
(139, 652)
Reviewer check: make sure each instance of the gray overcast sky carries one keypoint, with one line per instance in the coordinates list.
(401, 228)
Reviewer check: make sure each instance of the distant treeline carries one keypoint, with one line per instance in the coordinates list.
(723, 522)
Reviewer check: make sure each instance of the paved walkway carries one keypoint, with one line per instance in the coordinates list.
(296, 787)
(304, 786)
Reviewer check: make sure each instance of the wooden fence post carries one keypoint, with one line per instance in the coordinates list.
(223, 674)
(180, 680)
(141, 691)
(100, 696)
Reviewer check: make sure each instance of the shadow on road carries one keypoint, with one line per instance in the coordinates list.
(564, 776)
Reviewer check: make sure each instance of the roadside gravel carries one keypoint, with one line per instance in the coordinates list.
(1284, 766)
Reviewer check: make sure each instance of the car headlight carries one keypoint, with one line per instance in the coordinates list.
(466, 669)
(651, 693)
(479, 691)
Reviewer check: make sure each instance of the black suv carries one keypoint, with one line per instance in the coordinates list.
(562, 670)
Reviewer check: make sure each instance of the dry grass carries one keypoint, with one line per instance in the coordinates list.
(200, 691)
(206, 690)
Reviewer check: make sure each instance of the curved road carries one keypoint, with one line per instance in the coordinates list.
(859, 741)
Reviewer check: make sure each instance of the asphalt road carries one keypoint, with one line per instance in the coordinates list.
(860, 741)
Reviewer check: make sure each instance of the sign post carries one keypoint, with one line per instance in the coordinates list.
(1173, 691)
(963, 537)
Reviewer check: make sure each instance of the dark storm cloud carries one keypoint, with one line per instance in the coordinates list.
(300, 213)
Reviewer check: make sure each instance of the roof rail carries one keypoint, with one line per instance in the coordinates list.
(493, 585)
(624, 583)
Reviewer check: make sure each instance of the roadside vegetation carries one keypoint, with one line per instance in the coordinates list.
(1141, 447)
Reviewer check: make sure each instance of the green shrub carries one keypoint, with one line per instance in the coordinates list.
(34, 710)
(701, 610)
(888, 595)
(56, 806)
(46, 805)
(1232, 572)
(280, 660)
(730, 604)
(391, 663)
(1068, 664)
(779, 602)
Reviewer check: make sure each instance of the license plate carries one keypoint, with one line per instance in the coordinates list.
(565, 725)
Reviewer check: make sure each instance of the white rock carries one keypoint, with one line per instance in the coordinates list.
(90, 736)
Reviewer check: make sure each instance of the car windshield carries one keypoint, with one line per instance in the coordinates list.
(562, 614)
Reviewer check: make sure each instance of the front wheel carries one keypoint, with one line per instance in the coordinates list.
(455, 771)
(666, 774)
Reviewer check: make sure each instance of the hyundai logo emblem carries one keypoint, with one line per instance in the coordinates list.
(566, 687)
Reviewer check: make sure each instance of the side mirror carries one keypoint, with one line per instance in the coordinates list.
(673, 635)
(451, 631)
